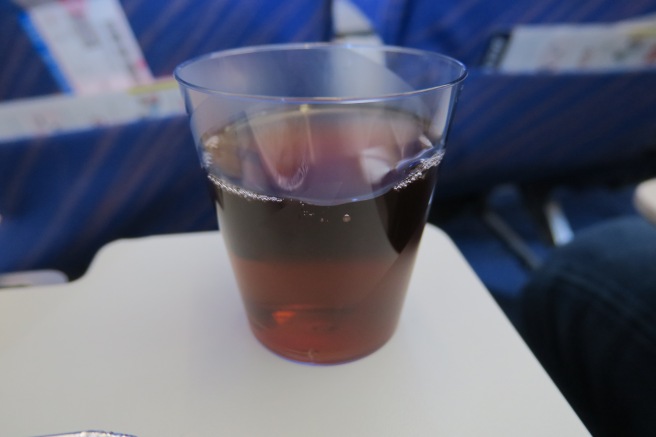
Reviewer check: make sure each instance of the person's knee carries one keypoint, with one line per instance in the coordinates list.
(590, 317)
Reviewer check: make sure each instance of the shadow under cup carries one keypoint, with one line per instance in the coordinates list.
(322, 160)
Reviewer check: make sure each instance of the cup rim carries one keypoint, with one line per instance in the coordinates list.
(177, 73)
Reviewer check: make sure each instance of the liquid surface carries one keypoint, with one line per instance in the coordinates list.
(322, 213)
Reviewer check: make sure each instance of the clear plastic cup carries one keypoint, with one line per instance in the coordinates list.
(323, 160)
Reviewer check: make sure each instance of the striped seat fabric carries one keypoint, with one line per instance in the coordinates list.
(64, 196)
(528, 128)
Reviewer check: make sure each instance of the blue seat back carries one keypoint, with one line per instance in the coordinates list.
(62, 197)
(528, 128)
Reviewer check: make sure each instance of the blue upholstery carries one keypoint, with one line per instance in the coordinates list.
(545, 128)
(23, 74)
(462, 28)
(169, 33)
(63, 197)
(525, 127)
(66, 196)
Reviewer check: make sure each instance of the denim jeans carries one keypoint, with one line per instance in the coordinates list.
(589, 315)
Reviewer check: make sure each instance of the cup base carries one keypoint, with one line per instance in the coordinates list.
(320, 342)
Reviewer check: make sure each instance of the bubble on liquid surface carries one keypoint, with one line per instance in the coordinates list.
(249, 195)
(421, 168)
(346, 218)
